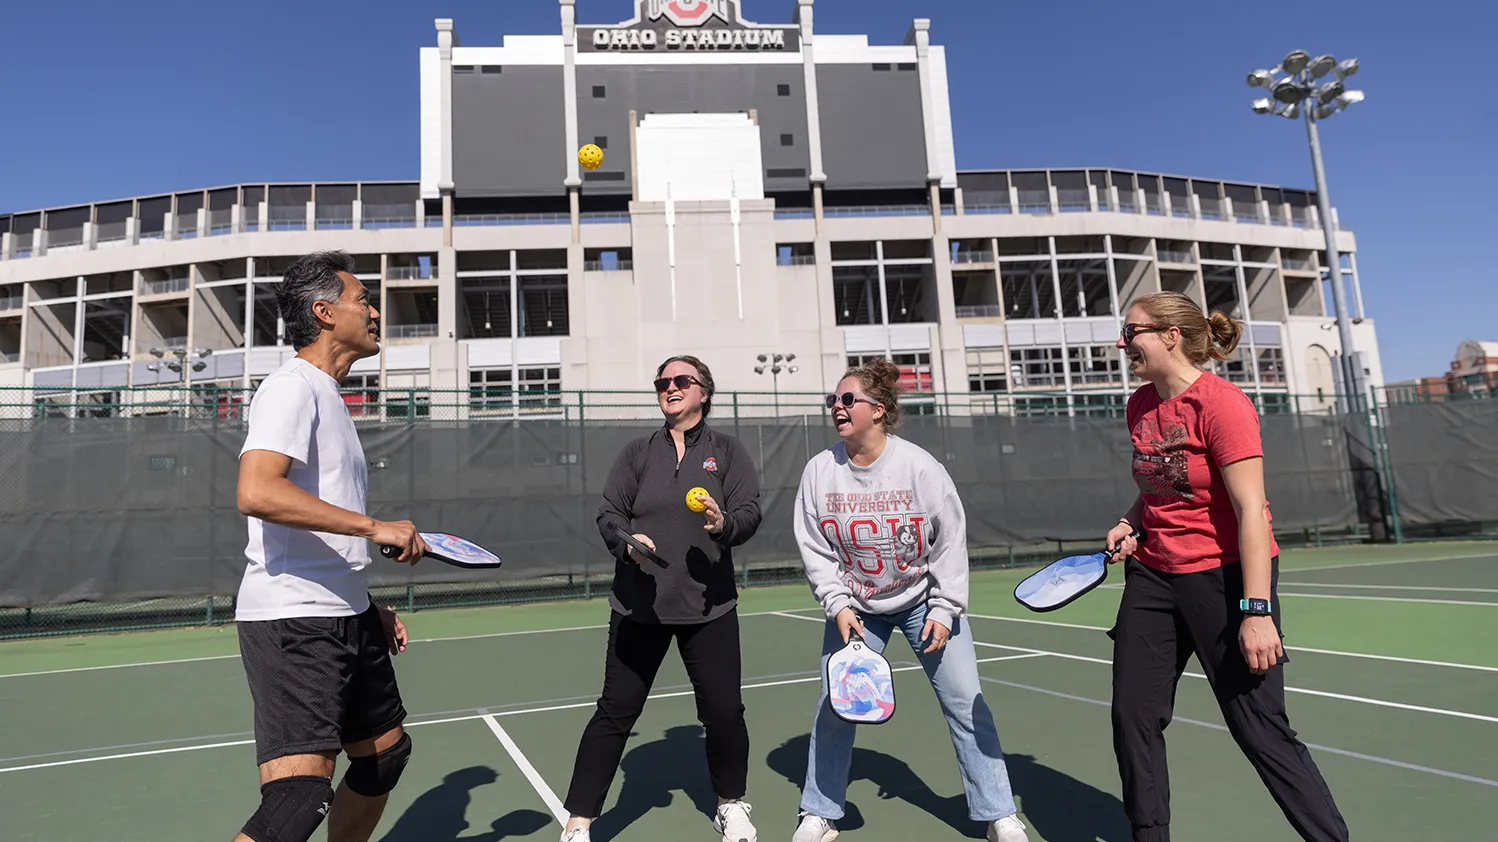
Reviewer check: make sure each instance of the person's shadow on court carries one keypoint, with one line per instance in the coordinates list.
(1057, 806)
(652, 772)
(437, 814)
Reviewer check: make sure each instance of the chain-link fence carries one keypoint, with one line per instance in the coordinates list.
(124, 516)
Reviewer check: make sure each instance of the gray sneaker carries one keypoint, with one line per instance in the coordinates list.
(733, 822)
(814, 829)
(1007, 829)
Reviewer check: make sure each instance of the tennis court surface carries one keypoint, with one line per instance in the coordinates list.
(1393, 676)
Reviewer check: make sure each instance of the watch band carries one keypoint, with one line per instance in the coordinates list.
(1256, 607)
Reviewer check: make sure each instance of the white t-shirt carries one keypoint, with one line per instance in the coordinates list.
(298, 411)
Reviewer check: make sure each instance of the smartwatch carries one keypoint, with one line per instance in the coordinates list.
(1255, 607)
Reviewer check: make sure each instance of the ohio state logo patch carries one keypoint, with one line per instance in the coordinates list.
(710, 465)
(688, 12)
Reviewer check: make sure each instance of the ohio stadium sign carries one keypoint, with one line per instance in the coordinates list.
(687, 25)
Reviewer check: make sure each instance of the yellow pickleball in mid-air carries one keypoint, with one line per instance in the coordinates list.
(693, 503)
(590, 156)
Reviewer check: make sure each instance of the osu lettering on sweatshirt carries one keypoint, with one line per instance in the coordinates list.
(884, 537)
(646, 493)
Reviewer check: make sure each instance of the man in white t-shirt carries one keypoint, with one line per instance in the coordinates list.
(315, 649)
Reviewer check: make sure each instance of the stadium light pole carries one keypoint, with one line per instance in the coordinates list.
(1295, 91)
(774, 367)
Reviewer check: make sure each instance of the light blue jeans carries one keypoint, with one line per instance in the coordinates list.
(954, 676)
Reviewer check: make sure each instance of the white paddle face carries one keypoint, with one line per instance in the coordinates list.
(860, 686)
(1062, 581)
(458, 551)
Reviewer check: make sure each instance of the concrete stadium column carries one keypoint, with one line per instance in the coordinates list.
(444, 352)
(952, 350)
(1060, 320)
(920, 36)
(804, 17)
(447, 38)
(569, 110)
(830, 347)
(7, 243)
(358, 214)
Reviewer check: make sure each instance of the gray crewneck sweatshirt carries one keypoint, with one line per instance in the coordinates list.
(883, 538)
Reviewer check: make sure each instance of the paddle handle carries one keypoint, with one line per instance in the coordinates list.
(1137, 535)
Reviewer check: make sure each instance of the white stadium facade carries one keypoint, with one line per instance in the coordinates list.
(766, 188)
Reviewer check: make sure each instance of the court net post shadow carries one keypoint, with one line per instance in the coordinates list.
(1056, 806)
(438, 815)
(652, 772)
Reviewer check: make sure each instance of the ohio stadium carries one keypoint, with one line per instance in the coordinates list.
(765, 189)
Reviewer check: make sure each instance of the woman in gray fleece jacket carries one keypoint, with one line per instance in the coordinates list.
(884, 543)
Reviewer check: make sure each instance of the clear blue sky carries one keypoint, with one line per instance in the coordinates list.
(114, 99)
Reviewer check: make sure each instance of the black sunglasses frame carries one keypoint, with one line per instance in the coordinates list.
(1133, 329)
(682, 381)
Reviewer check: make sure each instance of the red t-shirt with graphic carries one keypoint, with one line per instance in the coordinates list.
(1180, 446)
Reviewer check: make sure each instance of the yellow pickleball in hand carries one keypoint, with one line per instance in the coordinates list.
(693, 503)
(590, 156)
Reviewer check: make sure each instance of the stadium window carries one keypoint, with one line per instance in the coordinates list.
(782, 90)
(906, 65)
(600, 92)
(601, 141)
(883, 67)
(787, 140)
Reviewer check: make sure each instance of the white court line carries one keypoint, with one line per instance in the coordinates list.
(539, 783)
(1302, 690)
(118, 666)
(1389, 599)
(1341, 696)
(1421, 661)
(1388, 562)
(1361, 598)
(471, 717)
(414, 642)
(1391, 587)
(1372, 758)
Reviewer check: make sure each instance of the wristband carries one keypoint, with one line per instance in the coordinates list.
(1255, 607)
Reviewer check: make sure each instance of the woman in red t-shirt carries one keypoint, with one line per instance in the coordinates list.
(1203, 580)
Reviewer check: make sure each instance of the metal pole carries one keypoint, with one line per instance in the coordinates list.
(1333, 259)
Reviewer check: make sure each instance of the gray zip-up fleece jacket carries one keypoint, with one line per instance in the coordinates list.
(885, 537)
(646, 492)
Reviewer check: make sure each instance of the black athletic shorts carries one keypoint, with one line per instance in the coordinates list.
(319, 682)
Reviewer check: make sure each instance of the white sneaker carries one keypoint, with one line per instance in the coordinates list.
(814, 829)
(733, 822)
(1007, 829)
(577, 834)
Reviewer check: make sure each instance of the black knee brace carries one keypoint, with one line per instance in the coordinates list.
(377, 774)
(290, 809)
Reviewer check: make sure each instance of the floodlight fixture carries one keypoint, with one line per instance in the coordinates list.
(1261, 79)
(1288, 92)
(1296, 61)
(1327, 93)
(1322, 65)
(1264, 105)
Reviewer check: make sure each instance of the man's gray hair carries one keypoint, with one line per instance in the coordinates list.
(310, 279)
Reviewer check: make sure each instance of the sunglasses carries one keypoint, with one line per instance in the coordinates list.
(1130, 330)
(682, 381)
(847, 399)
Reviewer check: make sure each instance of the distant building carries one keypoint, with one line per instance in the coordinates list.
(1474, 372)
(1424, 390)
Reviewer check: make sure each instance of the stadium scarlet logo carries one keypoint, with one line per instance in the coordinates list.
(688, 12)
(710, 465)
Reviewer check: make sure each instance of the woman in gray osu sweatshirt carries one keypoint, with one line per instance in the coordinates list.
(884, 543)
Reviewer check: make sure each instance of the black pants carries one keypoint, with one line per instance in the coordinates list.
(710, 652)
(1163, 619)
